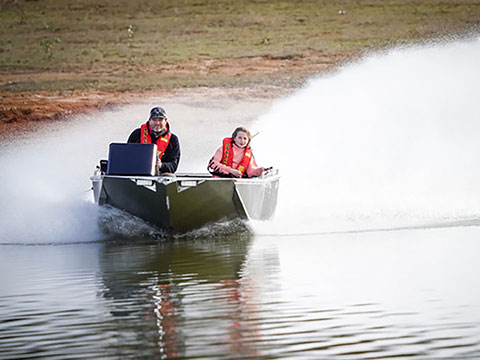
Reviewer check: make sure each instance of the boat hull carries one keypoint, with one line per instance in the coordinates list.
(183, 203)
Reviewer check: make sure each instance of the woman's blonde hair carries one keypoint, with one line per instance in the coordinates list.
(242, 129)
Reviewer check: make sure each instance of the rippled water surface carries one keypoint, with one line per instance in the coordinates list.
(409, 293)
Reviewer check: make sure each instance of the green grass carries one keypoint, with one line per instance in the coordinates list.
(108, 44)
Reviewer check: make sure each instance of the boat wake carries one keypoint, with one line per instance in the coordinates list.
(445, 224)
(115, 223)
(118, 225)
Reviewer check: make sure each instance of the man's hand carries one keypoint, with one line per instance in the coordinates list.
(159, 166)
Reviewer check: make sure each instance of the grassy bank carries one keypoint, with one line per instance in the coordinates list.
(124, 45)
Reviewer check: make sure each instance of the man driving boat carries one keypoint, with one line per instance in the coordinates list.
(157, 131)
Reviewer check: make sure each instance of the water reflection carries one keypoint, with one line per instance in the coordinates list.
(166, 295)
(372, 295)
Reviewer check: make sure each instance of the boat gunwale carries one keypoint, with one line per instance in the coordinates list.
(194, 177)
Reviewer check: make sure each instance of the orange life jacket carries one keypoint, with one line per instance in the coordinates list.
(227, 158)
(162, 141)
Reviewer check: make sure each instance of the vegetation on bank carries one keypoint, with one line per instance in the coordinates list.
(147, 44)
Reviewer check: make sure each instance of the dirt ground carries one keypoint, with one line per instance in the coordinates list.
(22, 111)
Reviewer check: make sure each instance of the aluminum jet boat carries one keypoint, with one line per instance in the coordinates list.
(179, 203)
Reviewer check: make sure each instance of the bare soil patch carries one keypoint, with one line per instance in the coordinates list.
(22, 111)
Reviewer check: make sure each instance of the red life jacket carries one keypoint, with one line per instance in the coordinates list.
(227, 158)
(162, 141)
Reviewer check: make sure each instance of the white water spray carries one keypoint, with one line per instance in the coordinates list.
(390, 141)
(45, 187)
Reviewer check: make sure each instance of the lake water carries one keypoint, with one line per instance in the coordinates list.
(372, 253)
(409, 293)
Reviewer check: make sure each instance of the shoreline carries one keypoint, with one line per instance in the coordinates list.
(266, 77)
(260, 77)
(22, 113)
